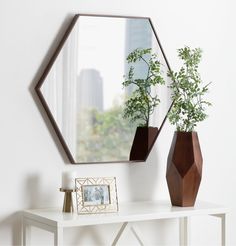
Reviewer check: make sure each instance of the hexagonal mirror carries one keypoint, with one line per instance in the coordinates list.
(84, 93)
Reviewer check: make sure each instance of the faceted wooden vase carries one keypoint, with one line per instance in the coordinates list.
(143, 142)
(184, 169)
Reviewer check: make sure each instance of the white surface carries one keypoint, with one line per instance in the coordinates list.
(129, 212)
(30, 161)
(136, 211)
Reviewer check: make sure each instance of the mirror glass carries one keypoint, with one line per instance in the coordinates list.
(83, 90)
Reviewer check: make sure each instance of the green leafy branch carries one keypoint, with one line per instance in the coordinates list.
(189, 106)
(141, 103)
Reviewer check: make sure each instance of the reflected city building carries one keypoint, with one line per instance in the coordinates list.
(89, 103)
(89, 90)
(138, 34)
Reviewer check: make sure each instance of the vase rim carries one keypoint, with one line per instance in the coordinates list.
(186, 132)
(147, 127)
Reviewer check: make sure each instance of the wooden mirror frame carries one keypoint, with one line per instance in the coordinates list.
(49, 66)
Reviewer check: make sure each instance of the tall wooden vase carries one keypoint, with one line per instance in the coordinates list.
(184, 169)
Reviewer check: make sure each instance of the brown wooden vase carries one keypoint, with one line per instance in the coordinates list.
(143, 142)
(184, 169)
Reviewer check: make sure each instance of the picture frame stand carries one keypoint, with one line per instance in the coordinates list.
(96, 195)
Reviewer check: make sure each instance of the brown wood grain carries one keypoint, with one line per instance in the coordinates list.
(143, 142)
(184, 168)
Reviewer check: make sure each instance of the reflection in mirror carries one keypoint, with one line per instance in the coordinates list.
(82, 89)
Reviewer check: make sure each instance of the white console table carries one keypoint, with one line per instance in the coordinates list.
(53, 220)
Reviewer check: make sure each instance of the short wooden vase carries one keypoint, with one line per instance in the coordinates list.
(143, 142)
(184, 169)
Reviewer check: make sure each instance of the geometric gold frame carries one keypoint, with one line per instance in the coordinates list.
(101, 208)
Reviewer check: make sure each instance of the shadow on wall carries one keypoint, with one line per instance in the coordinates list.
(38, 75)
(144, 177)
(14, 222)
(86, 232)
(91, 235)
(35, 195)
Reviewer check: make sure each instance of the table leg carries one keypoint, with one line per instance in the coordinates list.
(26, 232)
(28, 223)
(223, 227)
(184, 231)
(133, 229)
(137, 235)
(119, 233)
(58, 236)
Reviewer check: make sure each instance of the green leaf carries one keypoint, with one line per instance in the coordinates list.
(141, 104)
(187, 91)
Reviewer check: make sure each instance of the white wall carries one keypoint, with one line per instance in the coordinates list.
(31, 160)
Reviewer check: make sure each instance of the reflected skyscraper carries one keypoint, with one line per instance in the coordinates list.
(89, 90)
(138, 35)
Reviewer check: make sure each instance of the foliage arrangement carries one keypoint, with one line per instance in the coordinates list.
(187, 92)
(141, 103)
(104, 136)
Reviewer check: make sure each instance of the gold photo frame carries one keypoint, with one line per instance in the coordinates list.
(96, 195)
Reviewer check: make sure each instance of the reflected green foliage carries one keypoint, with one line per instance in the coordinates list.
(105, 136)
(187, 92)
(142, 102)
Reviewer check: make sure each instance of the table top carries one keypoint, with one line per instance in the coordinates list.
(128, 212)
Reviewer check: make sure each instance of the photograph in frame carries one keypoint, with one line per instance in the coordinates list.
(96, 195)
